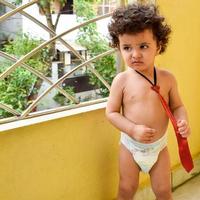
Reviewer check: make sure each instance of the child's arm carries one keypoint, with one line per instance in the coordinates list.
(178, 109)
(138, 132)
(114, 106)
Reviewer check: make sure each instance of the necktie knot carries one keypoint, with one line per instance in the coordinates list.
(156, 88)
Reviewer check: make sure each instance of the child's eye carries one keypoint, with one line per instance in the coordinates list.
(144, 46)
(127, 48)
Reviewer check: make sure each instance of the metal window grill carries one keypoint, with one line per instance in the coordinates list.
(27, 113)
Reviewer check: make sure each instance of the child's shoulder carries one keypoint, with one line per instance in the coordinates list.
(121, 76)
(119, 80)
(165, 74)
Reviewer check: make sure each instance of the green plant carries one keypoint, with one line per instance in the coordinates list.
(16, 2)
(61, 99)
(42, 3)
(45, 3)
(16, 88)
(46, 8)
(95, 43)
(22, 45)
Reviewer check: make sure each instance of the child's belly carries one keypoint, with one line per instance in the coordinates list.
(151, 114)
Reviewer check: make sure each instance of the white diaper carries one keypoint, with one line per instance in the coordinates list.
(145, 155)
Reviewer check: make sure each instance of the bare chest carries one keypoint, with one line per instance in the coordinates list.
(143, 94)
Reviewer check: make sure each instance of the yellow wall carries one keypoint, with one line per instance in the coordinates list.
(71, 158)
(183, 59)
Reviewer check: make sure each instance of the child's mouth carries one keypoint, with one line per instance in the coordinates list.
(137, 62)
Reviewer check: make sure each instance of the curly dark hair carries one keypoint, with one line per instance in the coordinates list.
(134, 19)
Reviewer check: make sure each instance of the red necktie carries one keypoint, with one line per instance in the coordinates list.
(184, 151)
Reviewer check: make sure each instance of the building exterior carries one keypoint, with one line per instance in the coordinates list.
(10, 27)
(66, 60)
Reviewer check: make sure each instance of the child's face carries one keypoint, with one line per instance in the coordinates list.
(139, 50)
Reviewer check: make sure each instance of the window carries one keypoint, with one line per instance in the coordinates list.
(68, 8)
(106, 6)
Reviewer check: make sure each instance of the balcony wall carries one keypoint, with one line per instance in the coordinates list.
(74, 157)
(70, 158)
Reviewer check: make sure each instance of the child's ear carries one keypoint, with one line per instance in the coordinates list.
(158, 49)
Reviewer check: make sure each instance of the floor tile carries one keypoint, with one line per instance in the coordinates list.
(189, 190)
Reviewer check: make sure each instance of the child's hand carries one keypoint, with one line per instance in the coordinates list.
(183, 128)
(143, 133)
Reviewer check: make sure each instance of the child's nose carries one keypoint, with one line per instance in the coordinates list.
(136, 54)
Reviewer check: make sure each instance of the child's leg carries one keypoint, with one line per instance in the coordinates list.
(161, 177)
(129, 175)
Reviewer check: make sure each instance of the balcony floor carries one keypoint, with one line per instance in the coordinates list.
(189, 190)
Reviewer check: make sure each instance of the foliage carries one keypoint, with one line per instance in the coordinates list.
(47, 8)
(17, 87)
(41, 2)
(22, 45)
(95, 44)
(44, 3)
(17, 2)
(14, 90)
(61, 99)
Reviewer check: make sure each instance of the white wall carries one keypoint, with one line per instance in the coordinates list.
(66, 22)
(11, 26)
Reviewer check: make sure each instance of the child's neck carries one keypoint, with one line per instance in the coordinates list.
(149, 73)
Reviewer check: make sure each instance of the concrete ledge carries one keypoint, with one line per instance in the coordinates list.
(52, 116)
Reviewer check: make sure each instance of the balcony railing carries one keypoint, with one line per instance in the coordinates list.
(28, 112)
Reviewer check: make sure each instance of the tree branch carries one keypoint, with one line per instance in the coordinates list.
(57, 20)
